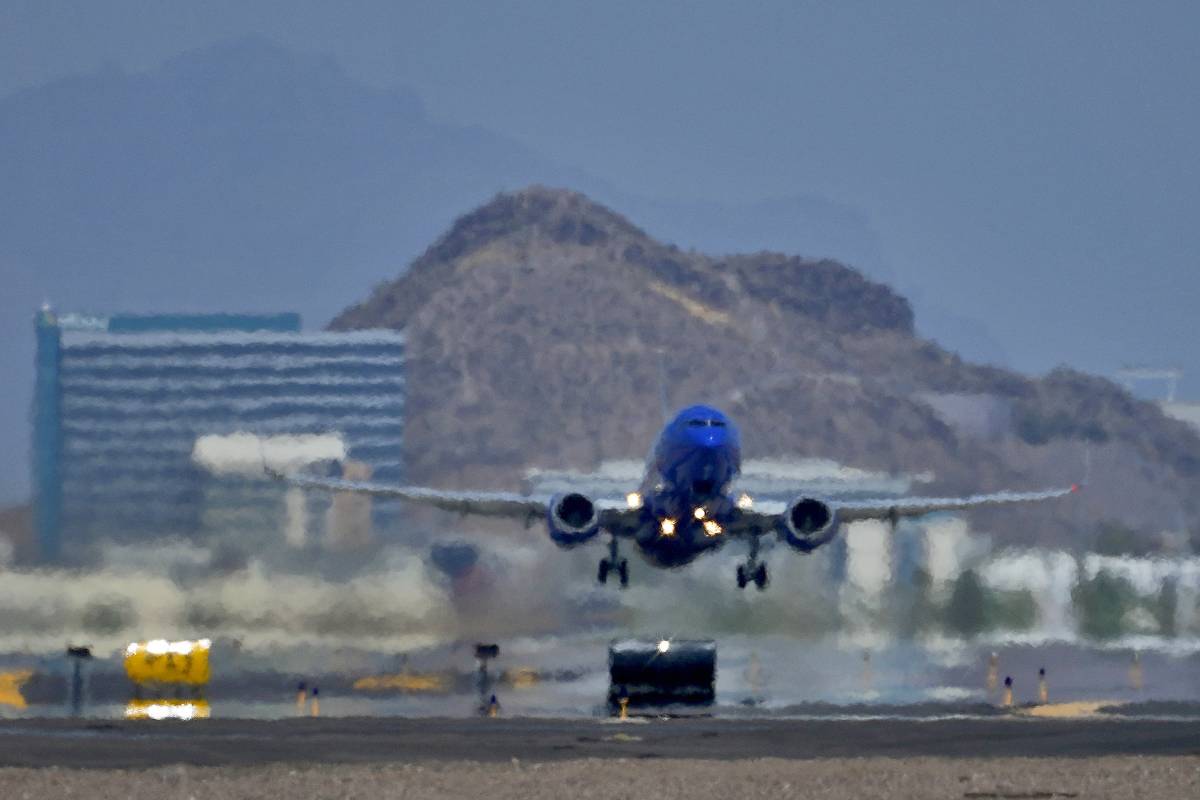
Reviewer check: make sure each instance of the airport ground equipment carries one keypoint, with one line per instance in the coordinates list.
(661, 673)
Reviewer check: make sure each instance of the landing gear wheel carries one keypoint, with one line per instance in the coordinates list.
(741, 576)
(602, 572)
(623, 572)
(760, 577)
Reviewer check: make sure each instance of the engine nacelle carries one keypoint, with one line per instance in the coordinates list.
(573, 519)
(808, 523)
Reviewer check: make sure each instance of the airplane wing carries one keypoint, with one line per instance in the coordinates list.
(613, 512)
(487, 504)
(898, 507)
(763, 519)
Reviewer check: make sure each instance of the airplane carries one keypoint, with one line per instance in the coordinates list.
(683, 507)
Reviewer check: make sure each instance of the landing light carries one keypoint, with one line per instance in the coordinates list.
(711, 528)
(667, 527)
(633, 500)
(664, 646)
(699, 512)
(745, 502)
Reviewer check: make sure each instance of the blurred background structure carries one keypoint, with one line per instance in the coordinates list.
(150, 426)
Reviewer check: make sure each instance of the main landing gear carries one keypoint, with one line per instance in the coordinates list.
(614, 562)
(753, 571)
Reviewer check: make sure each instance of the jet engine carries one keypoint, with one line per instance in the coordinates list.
(573, 519)
(808, 523)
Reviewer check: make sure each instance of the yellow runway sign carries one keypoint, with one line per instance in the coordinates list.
(160, 661)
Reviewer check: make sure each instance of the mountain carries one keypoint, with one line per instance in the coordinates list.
(537, 325)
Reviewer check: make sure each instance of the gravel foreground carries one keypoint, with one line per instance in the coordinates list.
(977, 779)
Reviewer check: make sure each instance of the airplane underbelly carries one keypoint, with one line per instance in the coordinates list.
(677, 550)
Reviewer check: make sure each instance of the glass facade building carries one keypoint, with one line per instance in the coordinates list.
(121, 402)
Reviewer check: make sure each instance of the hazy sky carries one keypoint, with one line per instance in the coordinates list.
(1033, 164)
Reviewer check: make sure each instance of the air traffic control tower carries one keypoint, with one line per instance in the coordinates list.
(124, 403)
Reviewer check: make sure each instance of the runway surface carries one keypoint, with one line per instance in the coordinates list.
(102, 744)
(567, 676)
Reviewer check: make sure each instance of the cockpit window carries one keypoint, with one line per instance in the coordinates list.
(706, 423)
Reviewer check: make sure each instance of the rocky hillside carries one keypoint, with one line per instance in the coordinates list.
(537, 326)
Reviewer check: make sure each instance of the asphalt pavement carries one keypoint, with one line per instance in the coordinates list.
(129, 744)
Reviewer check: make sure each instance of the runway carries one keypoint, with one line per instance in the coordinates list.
(101, 744)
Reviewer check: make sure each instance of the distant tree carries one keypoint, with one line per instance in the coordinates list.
(1101, 604)
(967, 612)
(1010, 611)
(107, 617)
(1164, 608)
(912, 606)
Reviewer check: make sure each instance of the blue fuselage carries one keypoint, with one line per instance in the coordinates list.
(696, 458)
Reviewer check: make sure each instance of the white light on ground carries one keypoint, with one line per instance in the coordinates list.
(664, 646)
